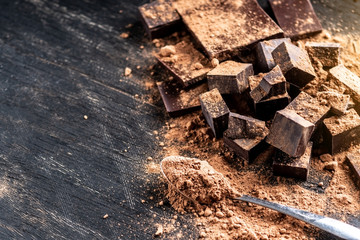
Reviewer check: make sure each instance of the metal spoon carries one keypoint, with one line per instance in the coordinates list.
(333, 226)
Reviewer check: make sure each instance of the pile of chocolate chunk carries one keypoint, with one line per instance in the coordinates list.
(243, 70)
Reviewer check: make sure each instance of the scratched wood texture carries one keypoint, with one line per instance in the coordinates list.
(59, 173)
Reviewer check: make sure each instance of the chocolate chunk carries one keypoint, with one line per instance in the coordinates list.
(215, 111)
(339, 102)
(293, 90)
(246, 148)
(246, 24)
(272, 84)
(255, 80)
(230, 77)
(309, 108)
(353, 160)
(239, 103)
(159, 18)
(296, 18)
(266, 109)
(290, 132)
(343, 76)
(296, 167)
(241, 126)
(183, 62)
(328, 54)
(245, 136)
(294, 63)
(179, 101)
(341, 131)
(263, 50)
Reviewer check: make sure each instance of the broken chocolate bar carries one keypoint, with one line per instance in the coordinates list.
(287, 166)
(290, 132)
(343, 76)
(272, 84)
(339, 102)
(341, 131)
(159, 18)
(266, 109)
(184, 62)
(328, 54)
(245, 136)
(246, 24)
(215, 111)
(230, 77)
(294, 63)
(263, 50)
(296, 18)
(309, 108)
(353, 160)
(179, 101)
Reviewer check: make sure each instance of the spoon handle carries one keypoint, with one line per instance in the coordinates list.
(333, 226)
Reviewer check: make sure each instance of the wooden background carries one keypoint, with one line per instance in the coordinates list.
(59, 173)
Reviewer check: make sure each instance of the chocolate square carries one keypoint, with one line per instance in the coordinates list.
(309, 108)
(263, 50)
(294, 63)
(295, 167)
(179, 101)
(341, 131)
(246, 23)
(185, 64)
(159, 18)
(230, 77)
(296, 17)
(290, 132)
(328, 54)
(215, 111)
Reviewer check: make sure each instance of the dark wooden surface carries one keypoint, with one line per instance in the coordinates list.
(59, 173)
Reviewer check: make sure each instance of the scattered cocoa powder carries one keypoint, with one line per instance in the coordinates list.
(330, 193)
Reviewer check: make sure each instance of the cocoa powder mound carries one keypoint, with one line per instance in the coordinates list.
(194, 182)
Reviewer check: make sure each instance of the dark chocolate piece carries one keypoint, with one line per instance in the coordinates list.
(290, 132)
(246, 24)
(266, 109)
(241, 126)
(239, 103)
(246, 148)
(341, 131)
(343, 76)
(215, 111)
(287, 166)
(179, 101)
(184, 62)
(255, 80)
(159, 18)
(309, 108)
(328, 54)
(245, 136)
(294, 63)
(230, 77)
(272, 84)
(353, 160)
(263, 49)
(296, 17)
(292, 90)
(339, 102)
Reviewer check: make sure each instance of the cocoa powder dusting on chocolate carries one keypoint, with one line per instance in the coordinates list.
(327, 192)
